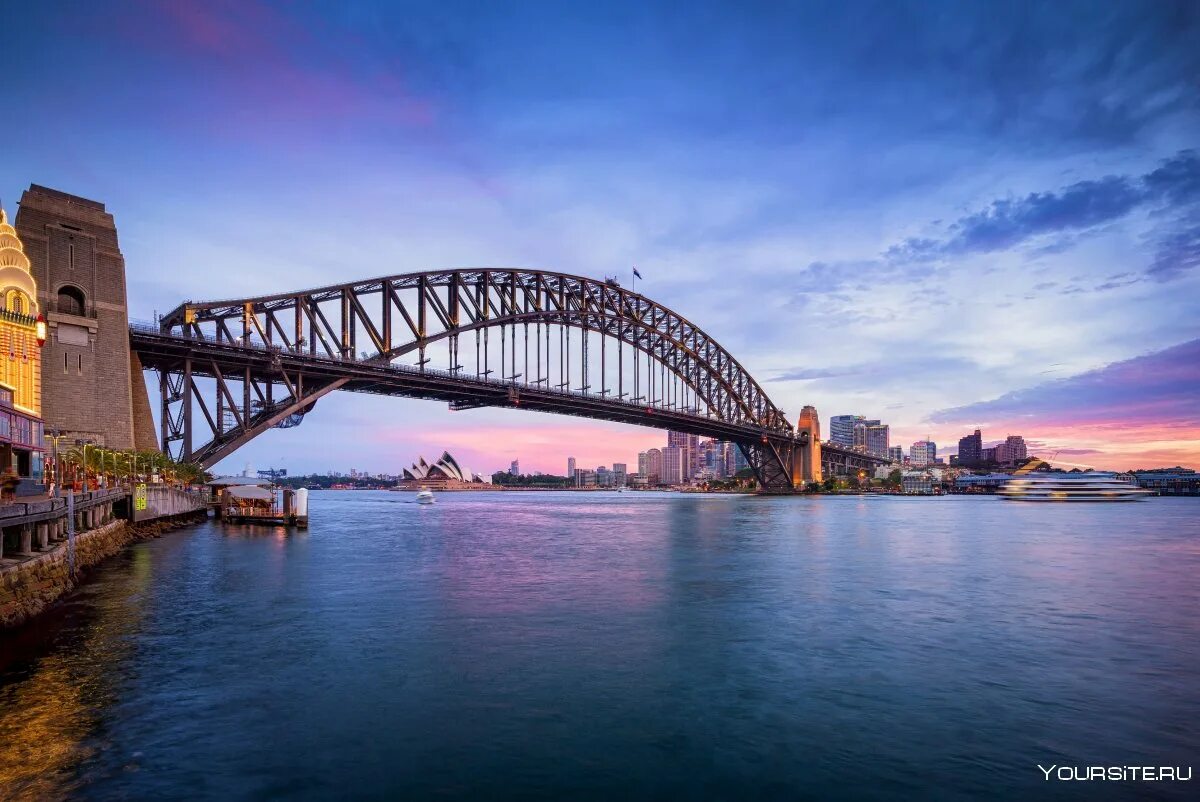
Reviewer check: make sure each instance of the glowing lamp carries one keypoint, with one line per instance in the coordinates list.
(41, 330)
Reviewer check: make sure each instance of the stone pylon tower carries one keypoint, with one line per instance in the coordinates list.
(806, 467)
(91, 383)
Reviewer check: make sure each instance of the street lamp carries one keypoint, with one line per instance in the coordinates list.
(85, 444)
(55, 439)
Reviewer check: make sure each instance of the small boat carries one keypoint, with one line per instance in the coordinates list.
(425, 496)
(1090, 486)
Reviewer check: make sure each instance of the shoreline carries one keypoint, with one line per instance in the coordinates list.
(32, 587)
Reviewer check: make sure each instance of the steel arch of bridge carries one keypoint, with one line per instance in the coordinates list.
(288, 350)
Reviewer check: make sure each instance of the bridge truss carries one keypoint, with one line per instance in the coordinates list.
(538, 340)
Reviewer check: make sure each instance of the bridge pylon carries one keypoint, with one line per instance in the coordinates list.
(806, 466)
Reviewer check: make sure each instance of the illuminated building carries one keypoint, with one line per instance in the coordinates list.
(22, 333)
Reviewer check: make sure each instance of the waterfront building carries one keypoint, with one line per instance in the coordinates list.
(585, 478)
(970, 449)
(642, 469)
(22, 334)
(1177, 481)
(570, 466)
(917, 483)
(445, 473)
(922, 453)
(896, 454)
(841, 429)
(673, 465)
(654, 467)
(515, 468)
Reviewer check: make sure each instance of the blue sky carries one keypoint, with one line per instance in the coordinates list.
(907, 211)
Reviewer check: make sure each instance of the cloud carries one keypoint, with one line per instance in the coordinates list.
(1078, 208)
(1160, 388)
(808, 374)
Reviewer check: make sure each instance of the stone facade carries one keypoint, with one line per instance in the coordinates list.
(88, 383)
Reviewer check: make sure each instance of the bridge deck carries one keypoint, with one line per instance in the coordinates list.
(165, 351)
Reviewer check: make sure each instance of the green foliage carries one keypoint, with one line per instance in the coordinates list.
(506, 479)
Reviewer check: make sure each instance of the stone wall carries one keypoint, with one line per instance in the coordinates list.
(29, 587)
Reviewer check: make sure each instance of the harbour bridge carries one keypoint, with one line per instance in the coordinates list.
(526, 339)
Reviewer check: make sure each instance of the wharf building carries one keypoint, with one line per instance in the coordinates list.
(22, 335)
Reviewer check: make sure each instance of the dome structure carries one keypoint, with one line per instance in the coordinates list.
(18, 292)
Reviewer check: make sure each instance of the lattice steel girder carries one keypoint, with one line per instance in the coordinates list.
(441, 304)
(307, 378)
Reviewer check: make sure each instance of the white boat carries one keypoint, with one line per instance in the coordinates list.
(1090, 486)
(425, 496)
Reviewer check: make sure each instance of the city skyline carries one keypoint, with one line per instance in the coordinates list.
(1021, 261)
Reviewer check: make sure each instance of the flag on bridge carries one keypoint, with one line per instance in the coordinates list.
(636, 273)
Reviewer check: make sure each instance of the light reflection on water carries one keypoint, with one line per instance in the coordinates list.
(541, 645)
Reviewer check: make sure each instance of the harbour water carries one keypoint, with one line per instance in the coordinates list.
(632, 646)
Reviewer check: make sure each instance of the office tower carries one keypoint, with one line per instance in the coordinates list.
(970, 449)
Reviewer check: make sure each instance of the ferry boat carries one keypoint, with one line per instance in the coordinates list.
(1091, 486)
(425, 496)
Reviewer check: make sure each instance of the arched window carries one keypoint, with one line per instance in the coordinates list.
(17, 302)
(70, 301)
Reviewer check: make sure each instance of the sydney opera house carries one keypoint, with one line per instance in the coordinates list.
(445, 474)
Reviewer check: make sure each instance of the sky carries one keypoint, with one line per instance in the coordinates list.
(944, 215)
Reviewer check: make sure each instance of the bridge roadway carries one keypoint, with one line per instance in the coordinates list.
(211, 359)
(314, 374)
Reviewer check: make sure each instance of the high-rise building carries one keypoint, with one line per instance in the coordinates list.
(841, 429)
(515, 468)
(970, 449)
(673, 465)
(1012, 450)
(620, 473)
(877, 442)
(896, 454)
(571, 466)
(654, 467)
(690, 445)
(922, 453)
(642, 469)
